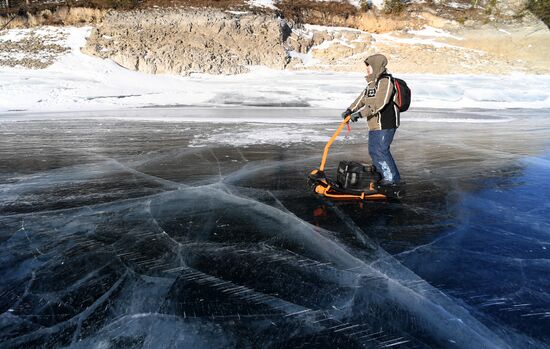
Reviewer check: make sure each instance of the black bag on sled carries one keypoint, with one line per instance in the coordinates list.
(356, 176)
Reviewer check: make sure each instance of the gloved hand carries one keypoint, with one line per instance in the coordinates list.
(346, 113)
(355, 116)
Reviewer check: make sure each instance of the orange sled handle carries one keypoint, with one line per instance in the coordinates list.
(331, 140)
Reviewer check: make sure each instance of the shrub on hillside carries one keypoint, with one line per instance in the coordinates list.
(107, 4)
(365, 5)
(541, 9)
(394, 6)
(222, 4)
(315, 12)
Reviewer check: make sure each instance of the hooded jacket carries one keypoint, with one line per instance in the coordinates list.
(376, 102)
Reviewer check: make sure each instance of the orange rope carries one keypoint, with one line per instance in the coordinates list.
(327, 146)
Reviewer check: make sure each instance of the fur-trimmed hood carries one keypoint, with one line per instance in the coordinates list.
(378, 63)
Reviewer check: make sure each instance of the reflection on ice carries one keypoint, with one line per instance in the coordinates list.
(504, 232)
(134, 240)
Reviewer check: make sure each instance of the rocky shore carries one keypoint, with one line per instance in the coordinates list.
(184, 41)
(199, 40)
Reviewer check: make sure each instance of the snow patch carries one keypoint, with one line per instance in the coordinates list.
(376, 3)
(458, 5)
(306, 58)
(390, 38)
(238, 13)
(14, 35)
(428, 31)
(314, 27)
(262, 3)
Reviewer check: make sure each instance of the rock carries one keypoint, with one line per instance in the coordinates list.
(511, 8)
(187, 41)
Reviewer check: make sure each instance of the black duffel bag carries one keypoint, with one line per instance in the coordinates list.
(356, 176)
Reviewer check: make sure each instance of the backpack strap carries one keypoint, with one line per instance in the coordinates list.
(385, 75)
(389, 76)
(395, 86)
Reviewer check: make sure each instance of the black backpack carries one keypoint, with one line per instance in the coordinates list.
(403, 92)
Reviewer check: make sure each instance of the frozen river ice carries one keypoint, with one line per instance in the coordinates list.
(161, 229)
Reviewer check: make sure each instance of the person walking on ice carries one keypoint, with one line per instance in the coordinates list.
(377, 103)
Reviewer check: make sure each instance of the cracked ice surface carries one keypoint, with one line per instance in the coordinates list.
(148, 234)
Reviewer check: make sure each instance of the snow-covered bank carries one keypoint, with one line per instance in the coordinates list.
(80, 82)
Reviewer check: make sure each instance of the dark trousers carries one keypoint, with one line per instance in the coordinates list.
(379, 151)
